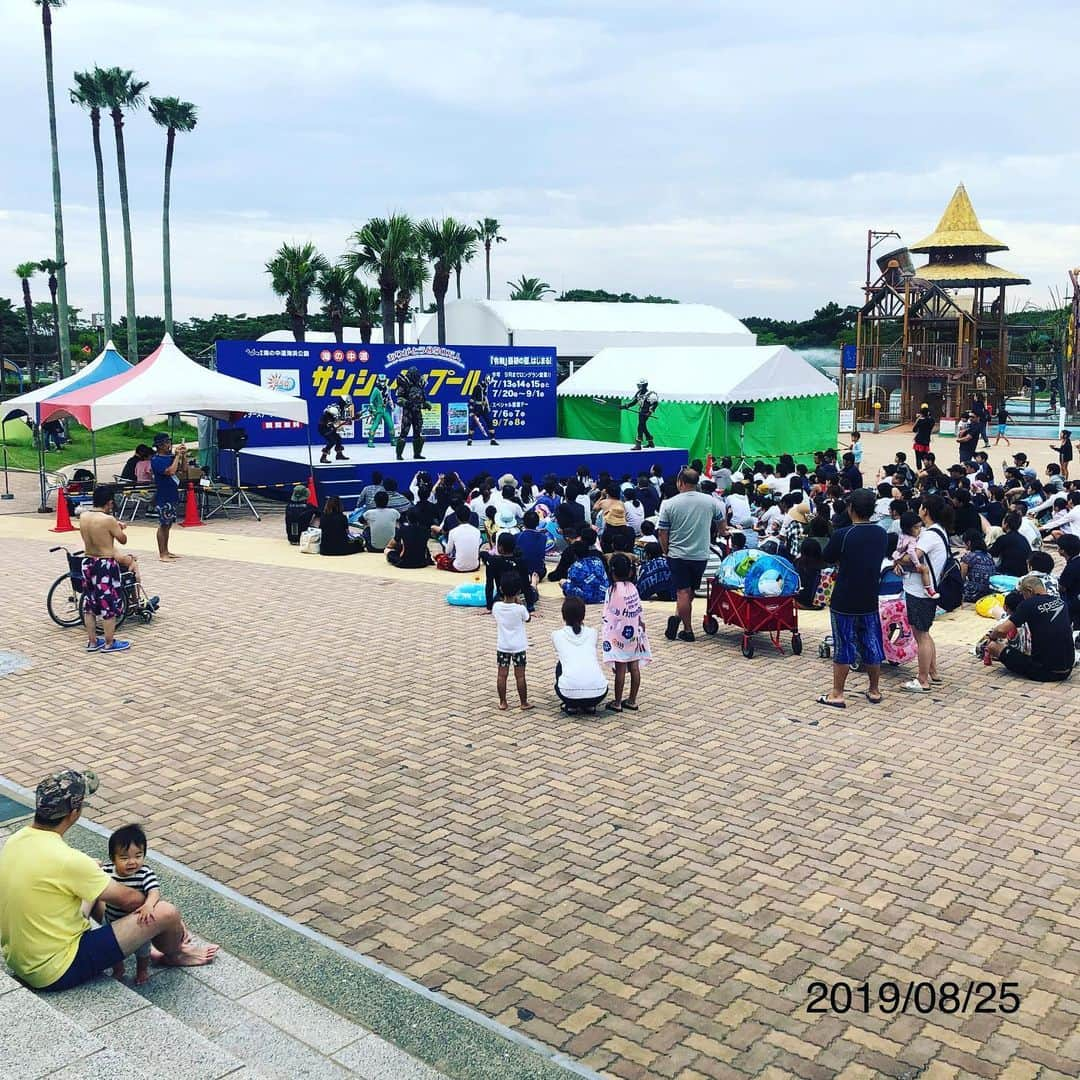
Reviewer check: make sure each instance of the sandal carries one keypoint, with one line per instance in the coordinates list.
(630, 708)
(915, 687)
(613, 706)
(569, 712)
(823, 700)
(873, 700)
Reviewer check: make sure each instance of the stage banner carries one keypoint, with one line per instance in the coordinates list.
(521, 385)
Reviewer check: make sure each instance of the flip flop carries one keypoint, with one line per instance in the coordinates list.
(631, 708)
(823, 700)
(873, 700)
(613, 706)
(915, 687)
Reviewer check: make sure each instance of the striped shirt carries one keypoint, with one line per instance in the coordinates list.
(143, 879)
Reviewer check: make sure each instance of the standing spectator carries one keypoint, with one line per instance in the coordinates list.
(512, 642)
(967, 438)
(506, 560)
(923, 429)
(933, 548)
(857, 552)
(685, 529)
(1003, 418)
(380, 523)
(1069, 580)
(165, 464)
(299, 514)
(626, 644)
(1064, 453)
(981, 416)
(1052, 651)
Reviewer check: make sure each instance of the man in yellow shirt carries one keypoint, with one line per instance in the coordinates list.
(44, 935)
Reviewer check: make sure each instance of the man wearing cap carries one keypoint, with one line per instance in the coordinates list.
(164, 465)
(45, 886)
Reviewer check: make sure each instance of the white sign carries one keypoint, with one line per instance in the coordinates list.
(847, 421)
(283, 380)
(947, 427)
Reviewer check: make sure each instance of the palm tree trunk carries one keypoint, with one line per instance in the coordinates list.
(387, 286)
(440, 285)
(103, 225)
(365, 332)
(487, 266)
(28, 304)
(125, 215)
(166, 255)
(298, 326)
(53, 288)
(58, 212)
(457, 278)
(337, 324)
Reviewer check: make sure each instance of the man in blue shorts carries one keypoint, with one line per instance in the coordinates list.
(857, 552)
(45, 937)
(685, 529)
(164, 464)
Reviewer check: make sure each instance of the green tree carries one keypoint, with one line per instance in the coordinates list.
(51, 267)
(174, 115)
(529, 288)
(124, 91)
(602, 296)
(487, 232)
(24, 272)
(365, 305)
(89, 93)
(294, 271)
(467, 256)
(58, 208)
(412, 273)
(444, 243)
(335, 288)
(380, 247)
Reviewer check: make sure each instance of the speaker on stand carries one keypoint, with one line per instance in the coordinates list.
(234, 440)
(741, 415)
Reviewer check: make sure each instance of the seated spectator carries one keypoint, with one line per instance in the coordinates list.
(1011, 550)
(587, 578)
(532, 543)
(409, 548)
(654, 575)
(367, 493)
(506, 559)
(397, 500)
(380, 523)
(976, 566)
(137, 468)
(580, 548)
(1052, 651)
(1041, 564)
(463, 544)
(1069, 580)
(46, 940)
(336, 538)
(299, 514)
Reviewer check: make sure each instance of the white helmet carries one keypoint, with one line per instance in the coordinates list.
(642, 384)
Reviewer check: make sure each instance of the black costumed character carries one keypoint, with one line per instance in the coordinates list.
(480, 412)
(645, 401)
(334, 418)
(412, 397)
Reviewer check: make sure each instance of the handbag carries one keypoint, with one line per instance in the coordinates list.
(310, 541)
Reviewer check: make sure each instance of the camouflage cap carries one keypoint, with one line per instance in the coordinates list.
(59, 794)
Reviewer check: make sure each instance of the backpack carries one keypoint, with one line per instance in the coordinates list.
(950, 586)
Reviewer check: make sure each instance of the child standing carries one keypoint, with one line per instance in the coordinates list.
(126, 866)
(1003, 418)
(856, 447)
(1065, 453)
(626, 645)
(907, 552)
(512, 642)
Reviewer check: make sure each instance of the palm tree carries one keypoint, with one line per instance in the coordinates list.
(382, 243)
(123, 91)
(412, 272)
(335, 288)
(365, 304)
(487, 232)
(174, 115)
(529, 288)
(89, 92)
(467, 256)
(25, 271)
(444, 243)
(58, 211)
(294, 271)
(51, 267)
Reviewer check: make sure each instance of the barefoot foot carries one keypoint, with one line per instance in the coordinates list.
(189, 956)
(527, 705)
(118, 972)
(142, 975)
(503, 706)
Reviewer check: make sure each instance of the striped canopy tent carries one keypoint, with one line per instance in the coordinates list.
(104, 366)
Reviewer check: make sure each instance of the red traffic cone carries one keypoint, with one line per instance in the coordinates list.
(312, 498)
(63, 518)
(191, 510)
(708, 466)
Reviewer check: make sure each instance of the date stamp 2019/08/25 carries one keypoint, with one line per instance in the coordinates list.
(919, 997)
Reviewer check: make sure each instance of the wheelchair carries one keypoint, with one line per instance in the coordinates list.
(66, 601)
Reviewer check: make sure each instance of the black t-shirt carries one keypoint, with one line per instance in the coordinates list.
(857, 552)
(414, 540)
(994, 513)
(1051, 634)
(966, 519)
(128, 471)
(851, 478)
(335, 535)
(1012, 551)
(923, 427)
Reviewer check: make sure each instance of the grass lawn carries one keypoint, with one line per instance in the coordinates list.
(112, 440)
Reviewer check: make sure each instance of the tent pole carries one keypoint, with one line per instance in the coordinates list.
(311, 458)
(93, 453)
(7, 488)
(43, 508)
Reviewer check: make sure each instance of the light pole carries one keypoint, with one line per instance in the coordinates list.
(97, 321)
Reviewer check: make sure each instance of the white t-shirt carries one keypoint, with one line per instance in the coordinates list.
(510, 620)
(778, 485)
(463, 546)
(771, 519)
(739, 505)
(1029, 530)
(581, 675)
(635, 515)
(935, 553)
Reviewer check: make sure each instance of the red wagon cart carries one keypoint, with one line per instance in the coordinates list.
(752, 614)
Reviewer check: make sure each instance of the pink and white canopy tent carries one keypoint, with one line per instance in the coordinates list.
(167, 381)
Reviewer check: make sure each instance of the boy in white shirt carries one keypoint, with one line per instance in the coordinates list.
(511, 642)
(463, 544)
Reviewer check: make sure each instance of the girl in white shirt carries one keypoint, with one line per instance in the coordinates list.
(580, 682)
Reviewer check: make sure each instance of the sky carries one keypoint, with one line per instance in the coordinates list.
(723, 153)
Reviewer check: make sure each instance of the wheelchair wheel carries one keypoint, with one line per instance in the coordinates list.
(64, 602)
(119, 618)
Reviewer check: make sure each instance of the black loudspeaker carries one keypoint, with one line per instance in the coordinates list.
(232, 438)
(741, 414)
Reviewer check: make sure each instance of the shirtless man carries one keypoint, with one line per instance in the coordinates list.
(102, 585)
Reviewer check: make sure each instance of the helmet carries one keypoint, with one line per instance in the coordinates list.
(413, 374)
(381, 380)
(642, 383)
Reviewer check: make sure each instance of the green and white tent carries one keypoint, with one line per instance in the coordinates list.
(795, 405)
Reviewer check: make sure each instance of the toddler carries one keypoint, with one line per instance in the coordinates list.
(907, 551)
(626, 645)
(512, 642)
(126, 866)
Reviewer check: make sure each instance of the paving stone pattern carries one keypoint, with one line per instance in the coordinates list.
(652, 894)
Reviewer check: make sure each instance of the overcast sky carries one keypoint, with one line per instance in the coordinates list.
(732, 154)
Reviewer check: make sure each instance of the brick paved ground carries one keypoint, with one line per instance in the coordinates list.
(659, 890)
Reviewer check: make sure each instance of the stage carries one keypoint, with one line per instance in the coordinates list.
(266, 466)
